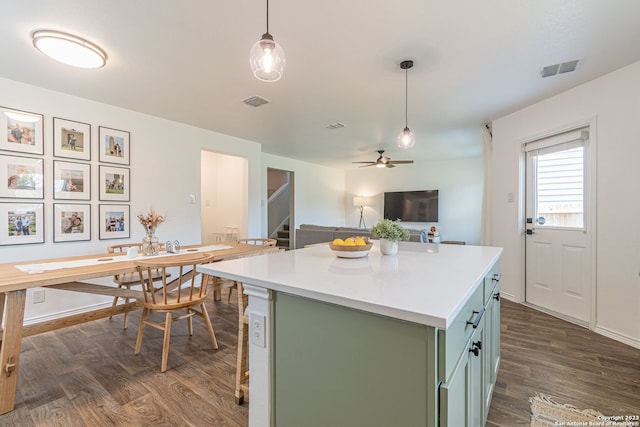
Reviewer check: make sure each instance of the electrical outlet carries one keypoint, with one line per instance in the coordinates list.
(38, 296)
(256, 329)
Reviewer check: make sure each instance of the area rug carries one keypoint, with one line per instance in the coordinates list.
(547, 412)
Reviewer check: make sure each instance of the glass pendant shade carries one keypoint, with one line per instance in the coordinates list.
(406, 139)
(267, 59)
(69, 49)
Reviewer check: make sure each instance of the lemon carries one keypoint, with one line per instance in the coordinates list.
(338, 242)
(349, 242)
(360, 241)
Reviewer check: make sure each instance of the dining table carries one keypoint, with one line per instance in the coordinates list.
(71, 274)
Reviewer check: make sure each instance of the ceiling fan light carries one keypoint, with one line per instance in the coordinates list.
(406, 139)
(267, 59)
(69, 49)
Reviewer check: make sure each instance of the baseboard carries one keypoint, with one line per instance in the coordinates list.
(61, 314)
(625, 339)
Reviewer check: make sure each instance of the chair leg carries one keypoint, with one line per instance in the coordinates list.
(190, 322)
(241, 361)
(115, 299)
(126, 313)
(165, 342)
(143, 317)
(207, 321)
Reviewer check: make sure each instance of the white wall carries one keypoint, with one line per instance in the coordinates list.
(164, 171)
(459, 182)
(614, 100)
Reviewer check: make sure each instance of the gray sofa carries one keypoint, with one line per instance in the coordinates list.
(309, 234)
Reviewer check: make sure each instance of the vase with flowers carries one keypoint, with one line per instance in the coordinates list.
(390, 233)
(150, 222)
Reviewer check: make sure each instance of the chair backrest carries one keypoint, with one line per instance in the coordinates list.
(124, 246)
(258, 241)
(182, 291)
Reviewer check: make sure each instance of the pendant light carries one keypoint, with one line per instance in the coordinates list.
(267, 57)
(406, 139)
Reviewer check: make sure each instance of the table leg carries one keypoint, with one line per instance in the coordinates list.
(10, 348)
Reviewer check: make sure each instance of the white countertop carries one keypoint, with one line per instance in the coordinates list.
(423, 283)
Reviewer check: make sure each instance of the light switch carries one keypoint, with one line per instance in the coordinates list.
(192, 198)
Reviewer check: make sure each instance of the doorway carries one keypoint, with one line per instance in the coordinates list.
(559, 225)
(224, 196)
(280, 207)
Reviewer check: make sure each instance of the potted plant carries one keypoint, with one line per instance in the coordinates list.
(390, 233)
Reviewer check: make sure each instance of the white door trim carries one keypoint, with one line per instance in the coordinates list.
(591, 216)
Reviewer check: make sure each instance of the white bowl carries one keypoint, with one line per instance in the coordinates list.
(351, 251)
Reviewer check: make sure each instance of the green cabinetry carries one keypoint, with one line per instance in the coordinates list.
(338, 366)
(466, 390)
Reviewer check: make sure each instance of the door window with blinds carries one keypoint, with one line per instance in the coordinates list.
(556, 165)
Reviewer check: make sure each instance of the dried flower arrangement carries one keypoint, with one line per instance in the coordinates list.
(150, 220)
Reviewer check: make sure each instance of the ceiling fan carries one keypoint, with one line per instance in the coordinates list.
(385, 162)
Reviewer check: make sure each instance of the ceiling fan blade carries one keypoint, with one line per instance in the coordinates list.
(401, 162)
(373, 163)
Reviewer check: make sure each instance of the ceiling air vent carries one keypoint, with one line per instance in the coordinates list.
(336, 125)
(255, 101)
(555, 69)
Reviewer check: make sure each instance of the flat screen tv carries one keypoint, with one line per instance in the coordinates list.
(411, 206)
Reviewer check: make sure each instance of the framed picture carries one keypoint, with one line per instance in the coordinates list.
(21, 131)
(71, 139)
(71, 181)
(21, 177)
(114, 222)
(21, 223)
(114, 183)
(114, 146)
(71, 223)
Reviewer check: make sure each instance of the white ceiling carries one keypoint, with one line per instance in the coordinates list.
(188, 61)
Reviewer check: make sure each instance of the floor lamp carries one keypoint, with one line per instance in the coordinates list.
(361, 202)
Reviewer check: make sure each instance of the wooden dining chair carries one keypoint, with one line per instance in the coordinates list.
(184, 294)
(242, 366)
(259, 241)
(126, 280)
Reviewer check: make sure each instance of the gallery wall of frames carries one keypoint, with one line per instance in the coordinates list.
(25, 173)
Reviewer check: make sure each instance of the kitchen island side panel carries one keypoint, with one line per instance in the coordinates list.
(337, 366)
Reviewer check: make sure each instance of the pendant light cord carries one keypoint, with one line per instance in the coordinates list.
(406, 95)
(267, 16)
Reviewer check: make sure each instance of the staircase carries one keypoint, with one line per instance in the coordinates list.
(283, 237)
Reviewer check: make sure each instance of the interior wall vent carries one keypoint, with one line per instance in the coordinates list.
(555, 69)
(255, 101)
(336, 125)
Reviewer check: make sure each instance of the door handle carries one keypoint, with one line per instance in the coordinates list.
(530, 231)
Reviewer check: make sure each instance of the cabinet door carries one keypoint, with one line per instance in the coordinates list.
(491, 360)
(478, 353)
(462, 398)
(454, 396)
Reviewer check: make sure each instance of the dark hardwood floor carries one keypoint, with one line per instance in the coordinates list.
(98, 381)
(543, 354)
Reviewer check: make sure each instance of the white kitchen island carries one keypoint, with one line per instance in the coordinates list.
(410, 339)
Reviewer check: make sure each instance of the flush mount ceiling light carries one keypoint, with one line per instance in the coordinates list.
(69, 49)
(406, 139)
(267, 57)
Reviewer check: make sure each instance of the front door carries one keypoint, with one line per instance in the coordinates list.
(558, 243)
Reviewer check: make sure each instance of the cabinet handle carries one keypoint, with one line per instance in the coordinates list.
(476, 322)
(496, 277)
(475, 348)
(496, 296)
